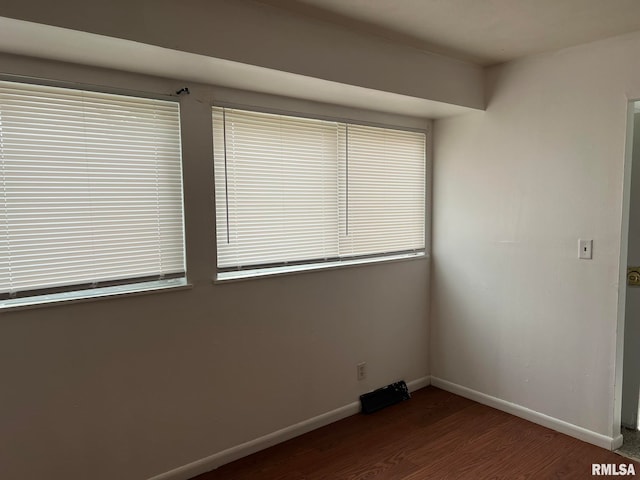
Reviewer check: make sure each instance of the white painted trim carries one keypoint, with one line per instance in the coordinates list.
(536, 417)
(616, 400)
(419, 383)
(250, 274)
(216, 460)
(617, 442)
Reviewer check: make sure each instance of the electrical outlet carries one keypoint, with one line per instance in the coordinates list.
(362, 370)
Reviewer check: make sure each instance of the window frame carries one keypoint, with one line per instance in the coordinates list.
(233, 274)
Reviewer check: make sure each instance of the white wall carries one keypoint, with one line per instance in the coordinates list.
(128, 388)
(515, 314)
(631, 372)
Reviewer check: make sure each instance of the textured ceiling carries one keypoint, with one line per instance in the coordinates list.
(481, 31)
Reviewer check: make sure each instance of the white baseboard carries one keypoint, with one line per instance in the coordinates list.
(617, 442)
(536, 417)
(234, 453)
(419, 383)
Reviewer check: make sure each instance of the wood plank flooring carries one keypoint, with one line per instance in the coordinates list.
(435, 435)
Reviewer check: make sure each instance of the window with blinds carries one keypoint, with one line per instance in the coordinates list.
(300, 191)
(90, 190)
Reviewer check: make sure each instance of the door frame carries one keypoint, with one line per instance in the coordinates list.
(622, 278)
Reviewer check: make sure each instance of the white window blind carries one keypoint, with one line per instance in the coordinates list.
(90, 190)
(276, 188)
(383, 204)
(292, 190)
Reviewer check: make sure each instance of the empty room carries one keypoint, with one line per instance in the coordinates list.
(319, 239)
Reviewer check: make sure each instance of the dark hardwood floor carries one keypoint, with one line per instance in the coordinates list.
(435, 435)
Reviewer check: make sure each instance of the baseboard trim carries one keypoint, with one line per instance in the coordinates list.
(216, 460)
(617, 442)
(419, 383)
(536, 417)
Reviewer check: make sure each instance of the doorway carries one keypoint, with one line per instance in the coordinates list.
(629, 301)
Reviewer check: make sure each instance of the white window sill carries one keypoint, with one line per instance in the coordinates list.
(289, 269)
(94, 294)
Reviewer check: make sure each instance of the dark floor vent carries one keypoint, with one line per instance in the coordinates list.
(384, 397)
